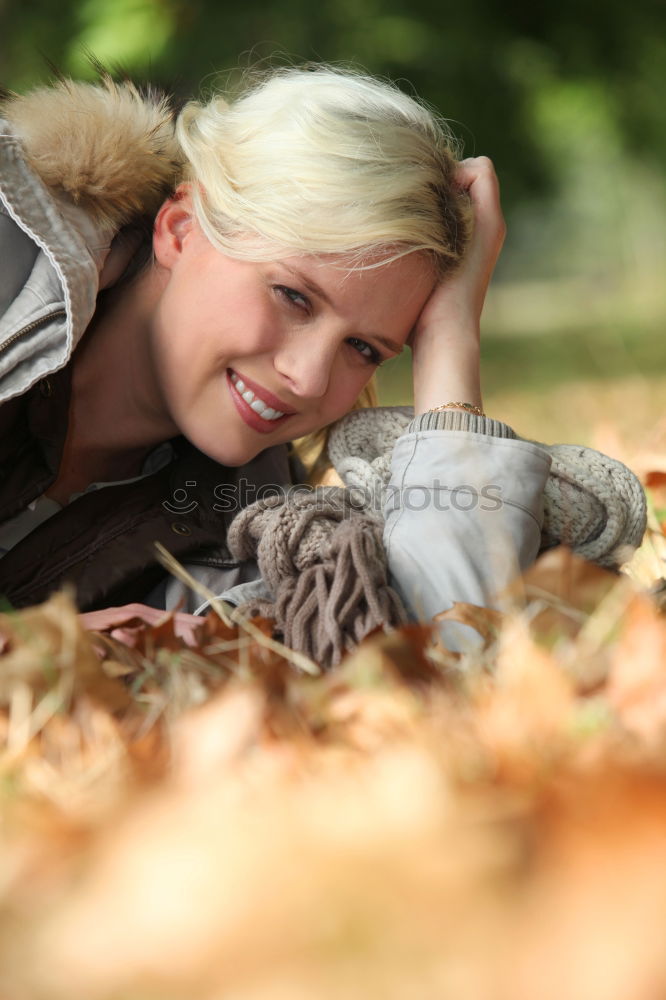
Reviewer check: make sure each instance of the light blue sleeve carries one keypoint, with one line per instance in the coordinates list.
(463, 517)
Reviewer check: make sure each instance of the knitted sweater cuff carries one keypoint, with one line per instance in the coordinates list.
(459, 420)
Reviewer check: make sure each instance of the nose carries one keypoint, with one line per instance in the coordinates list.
(305, 362)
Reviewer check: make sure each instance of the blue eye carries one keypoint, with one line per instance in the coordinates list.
(293, 297)
(367, 351)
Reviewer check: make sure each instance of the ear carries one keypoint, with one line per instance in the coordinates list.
(173, 223)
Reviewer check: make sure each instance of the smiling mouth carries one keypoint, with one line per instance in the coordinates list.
(254, 400)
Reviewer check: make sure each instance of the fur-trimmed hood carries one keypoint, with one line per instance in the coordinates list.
(107, 147)
(82, 168)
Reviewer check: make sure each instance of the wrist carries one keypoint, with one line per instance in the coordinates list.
(454, 333)
(436, 386)
(462, 405)
(459, 420)
(446, 366)
(440, 403)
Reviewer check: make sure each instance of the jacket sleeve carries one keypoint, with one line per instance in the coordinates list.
(463, 514)
(233, 585)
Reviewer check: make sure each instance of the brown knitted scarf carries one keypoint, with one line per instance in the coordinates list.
(320, 551)
(325, 564)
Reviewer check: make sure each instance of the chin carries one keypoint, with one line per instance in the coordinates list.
(229, 455)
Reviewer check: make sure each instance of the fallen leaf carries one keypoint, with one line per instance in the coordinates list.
(486, 621)
(561, 590)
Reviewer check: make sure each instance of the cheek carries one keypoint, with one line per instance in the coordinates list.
(209, 323)
(346, 389)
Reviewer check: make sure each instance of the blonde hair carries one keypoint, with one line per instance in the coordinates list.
(324, 161)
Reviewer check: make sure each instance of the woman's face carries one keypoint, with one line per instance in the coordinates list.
(247, 355)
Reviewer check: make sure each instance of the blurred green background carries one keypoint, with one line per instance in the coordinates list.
(567, 98)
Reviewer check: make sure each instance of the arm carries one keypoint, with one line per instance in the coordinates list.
(465, 499)
(463, 514)
(446, 341)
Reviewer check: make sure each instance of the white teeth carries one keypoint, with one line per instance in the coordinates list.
(258, 405)
(264, 411)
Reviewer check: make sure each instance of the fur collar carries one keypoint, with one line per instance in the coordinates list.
(107, 147)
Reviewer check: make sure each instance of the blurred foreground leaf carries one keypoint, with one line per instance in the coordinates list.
(193, 816)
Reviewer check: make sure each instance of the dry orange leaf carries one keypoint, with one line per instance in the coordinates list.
(654, 478)
(562, 590)
(486, 621)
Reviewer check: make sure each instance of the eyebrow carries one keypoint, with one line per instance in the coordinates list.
(317, 290)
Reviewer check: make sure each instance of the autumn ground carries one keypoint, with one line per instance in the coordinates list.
(214, 822)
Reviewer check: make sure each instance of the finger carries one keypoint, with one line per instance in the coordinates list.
(476, 164)
(477, 176)
(108, 618)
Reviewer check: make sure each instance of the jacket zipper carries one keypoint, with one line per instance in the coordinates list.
(30, 327)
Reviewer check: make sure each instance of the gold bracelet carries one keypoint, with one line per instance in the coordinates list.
(470, 407)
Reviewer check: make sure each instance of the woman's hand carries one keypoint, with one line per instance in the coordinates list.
(445, 341)
(127, 622)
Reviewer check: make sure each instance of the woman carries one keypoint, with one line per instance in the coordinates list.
(300, 237)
